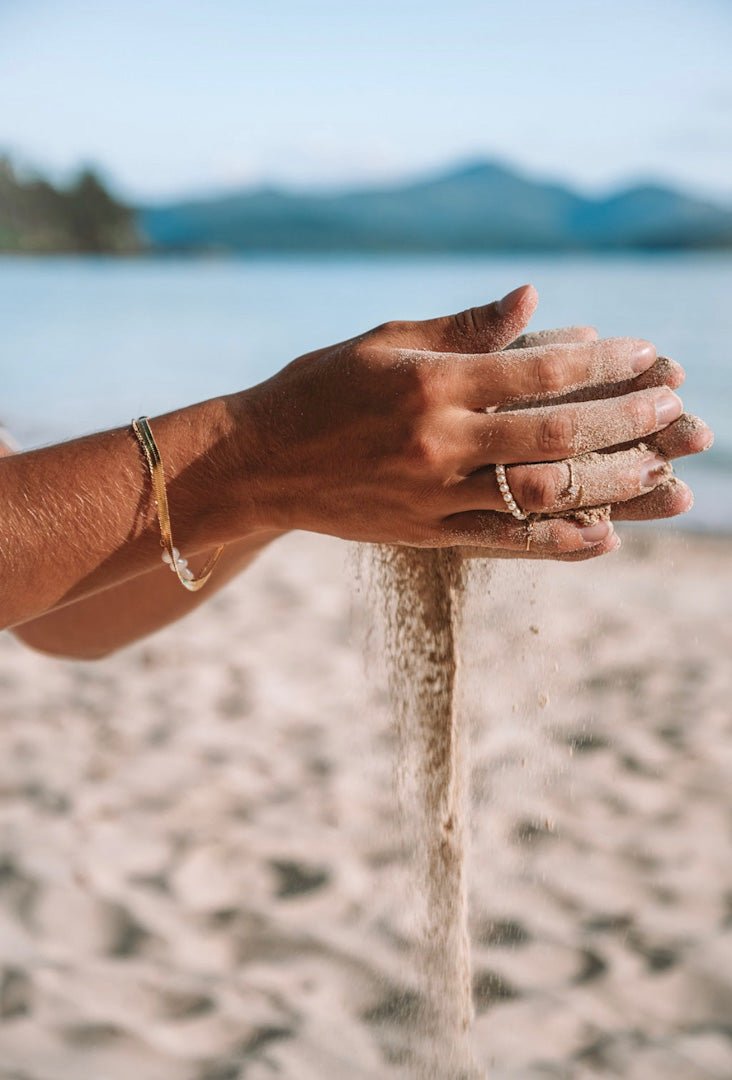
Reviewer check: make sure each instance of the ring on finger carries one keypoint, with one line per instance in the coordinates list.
(574, 490)
(505, 491)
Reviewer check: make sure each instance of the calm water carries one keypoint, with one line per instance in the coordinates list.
(87, 344)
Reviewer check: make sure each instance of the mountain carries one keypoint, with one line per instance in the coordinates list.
(484, 206)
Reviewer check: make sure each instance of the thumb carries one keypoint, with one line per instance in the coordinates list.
(478, 329)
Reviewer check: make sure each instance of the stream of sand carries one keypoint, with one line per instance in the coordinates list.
(421, 597)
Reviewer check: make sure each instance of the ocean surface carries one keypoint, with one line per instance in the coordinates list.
(89, 343)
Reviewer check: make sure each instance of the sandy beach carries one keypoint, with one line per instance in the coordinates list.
(202, 874)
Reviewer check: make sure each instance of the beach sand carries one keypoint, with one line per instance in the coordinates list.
(202, 875)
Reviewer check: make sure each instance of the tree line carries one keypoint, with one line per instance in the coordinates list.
(83, 217)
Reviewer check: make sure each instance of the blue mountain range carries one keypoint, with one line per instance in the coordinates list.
(483, 206)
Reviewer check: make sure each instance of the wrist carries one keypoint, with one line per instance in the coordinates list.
(215, 480)
(256, 497)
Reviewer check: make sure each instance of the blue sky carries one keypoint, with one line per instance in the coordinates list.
(174, 97)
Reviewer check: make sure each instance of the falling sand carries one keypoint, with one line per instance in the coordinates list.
(421, 593)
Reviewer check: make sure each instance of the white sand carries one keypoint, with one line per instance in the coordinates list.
(201, 876)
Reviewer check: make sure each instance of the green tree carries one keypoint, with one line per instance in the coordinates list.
(36, 216)
(97, 222)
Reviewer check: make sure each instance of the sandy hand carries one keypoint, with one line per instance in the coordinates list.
(393, 437)
(635, 478)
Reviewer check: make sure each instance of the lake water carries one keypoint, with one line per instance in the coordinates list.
(89, 343)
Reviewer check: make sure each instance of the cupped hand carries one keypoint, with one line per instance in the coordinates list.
(393, 436)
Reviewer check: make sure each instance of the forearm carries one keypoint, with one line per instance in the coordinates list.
(79, 517)
(100, 624)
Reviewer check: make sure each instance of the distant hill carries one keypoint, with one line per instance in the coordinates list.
(482, 207)
(36, 217)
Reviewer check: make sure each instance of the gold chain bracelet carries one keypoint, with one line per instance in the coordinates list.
(171, 555)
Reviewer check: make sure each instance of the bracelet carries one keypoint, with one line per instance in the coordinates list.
(171, 556)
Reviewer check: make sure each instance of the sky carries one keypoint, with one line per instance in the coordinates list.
(172, 98)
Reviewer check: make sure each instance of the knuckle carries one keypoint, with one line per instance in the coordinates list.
(418, 384)
(536, 488)
(560, 540)
(424, 450)
(365, 353)
(556, 434)
(551, 372)
(392, 328)
(468, 323)
(641, 413)
(428, 382)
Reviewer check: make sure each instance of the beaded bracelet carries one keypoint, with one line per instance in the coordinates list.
(171, 556)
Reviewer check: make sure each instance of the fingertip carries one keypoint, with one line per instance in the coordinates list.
(596, 533)
(668, 405)
(530, 300)
(608, 546)
(687, 435)
(524, 295)
(644, 356)
(684, 497)
(671, 372)
(676, 498)
(592, 551)
(701, 435)
(669, 499)
(567, 536)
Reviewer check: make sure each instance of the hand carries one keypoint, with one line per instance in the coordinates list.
(687, 435)
(393, 436)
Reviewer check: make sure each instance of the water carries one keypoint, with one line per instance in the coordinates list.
(89, 343)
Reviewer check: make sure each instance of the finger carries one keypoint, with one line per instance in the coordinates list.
(551, 536)
(605, 547)
(687, 435)
(581, 556)
(593, 480)
(478, 329)
(555, 432)
(548, 371)
(664, 372)
(669, 499)
(554, 337)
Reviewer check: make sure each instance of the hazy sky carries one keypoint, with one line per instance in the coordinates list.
(175, 96)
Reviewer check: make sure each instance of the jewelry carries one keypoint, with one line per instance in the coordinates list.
(506, 493)
(573, 486)
(171, 556)
(529, 534)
